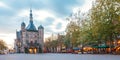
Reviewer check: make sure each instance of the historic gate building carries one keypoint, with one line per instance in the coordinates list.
(29, 39)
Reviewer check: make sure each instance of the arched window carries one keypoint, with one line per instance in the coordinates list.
(31, 42)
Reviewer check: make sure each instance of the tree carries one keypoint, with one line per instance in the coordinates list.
(105, 17)
(67, 41)
(78, 29)
(2, 45)
(99, 25)
(51, 45)
(72, 31)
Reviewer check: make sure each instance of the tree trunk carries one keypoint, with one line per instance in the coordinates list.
(82, 51)
(110, 44)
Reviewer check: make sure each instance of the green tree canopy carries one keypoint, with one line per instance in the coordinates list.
(2, 45)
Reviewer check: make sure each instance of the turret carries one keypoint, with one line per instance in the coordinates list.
(40, 27)
(23, 26)
(41, 35)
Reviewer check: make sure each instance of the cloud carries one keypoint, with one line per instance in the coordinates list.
(85, 7)
(43, 14)
(47, 34)
(62, 27)
(48, 21)
(5, 9)
(8, 38)
(37, 14)
(3, 5)
(58, 26)
(8, 24)
(63, 8)
(59, 7)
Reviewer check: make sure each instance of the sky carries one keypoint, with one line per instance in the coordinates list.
(51, 14)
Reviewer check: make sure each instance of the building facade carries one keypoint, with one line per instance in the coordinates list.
(29, 39)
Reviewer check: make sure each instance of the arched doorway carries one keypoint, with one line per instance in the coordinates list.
(33, 50)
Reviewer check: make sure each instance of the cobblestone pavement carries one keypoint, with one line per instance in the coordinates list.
(51, 56)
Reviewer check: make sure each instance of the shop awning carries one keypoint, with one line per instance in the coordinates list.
(76, 48)
(105, 46)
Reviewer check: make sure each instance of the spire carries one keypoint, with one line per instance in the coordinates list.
(31, 17)
(31, 26)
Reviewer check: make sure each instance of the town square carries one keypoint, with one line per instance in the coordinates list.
(59, 30)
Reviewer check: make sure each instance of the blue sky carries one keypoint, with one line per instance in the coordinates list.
(49, 13)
